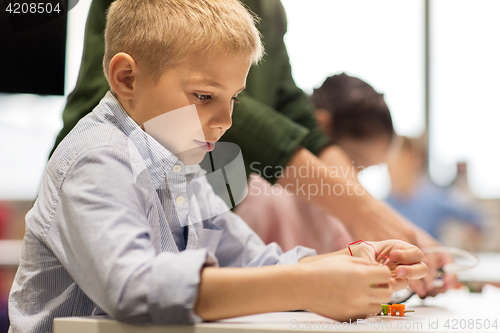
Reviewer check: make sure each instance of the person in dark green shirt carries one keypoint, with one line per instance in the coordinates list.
(275, 128)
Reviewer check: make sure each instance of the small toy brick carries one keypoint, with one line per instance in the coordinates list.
(400, 308)
(392, 309)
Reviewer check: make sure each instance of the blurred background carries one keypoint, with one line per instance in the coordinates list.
(436, 61)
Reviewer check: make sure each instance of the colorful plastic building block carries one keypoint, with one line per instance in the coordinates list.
(393, 310)
(400, 308)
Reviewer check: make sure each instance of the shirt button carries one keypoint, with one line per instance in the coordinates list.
(179, 200)
(177, 168)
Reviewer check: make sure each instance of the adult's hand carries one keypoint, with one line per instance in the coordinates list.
(425, 287)
(335, 189)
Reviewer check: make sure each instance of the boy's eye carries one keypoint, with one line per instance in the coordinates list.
(235, 99)
(202, 97)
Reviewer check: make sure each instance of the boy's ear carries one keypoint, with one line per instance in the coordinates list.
(122, 75)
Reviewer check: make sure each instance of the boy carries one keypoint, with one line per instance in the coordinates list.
(112, 231)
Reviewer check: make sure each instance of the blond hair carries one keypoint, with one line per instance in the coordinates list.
(161, 33)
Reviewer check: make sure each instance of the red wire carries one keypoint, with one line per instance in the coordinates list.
(378, 253)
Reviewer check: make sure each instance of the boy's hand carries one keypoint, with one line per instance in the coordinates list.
(342, 287)
(406, 259)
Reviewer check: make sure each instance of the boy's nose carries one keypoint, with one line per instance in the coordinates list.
(221, 119)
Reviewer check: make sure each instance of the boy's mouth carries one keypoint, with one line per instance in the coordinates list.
(205, 145)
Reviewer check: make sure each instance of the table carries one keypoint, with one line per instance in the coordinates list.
(460, 310)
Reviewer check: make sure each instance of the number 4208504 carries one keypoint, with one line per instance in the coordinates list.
(475, 324)
(33, 8)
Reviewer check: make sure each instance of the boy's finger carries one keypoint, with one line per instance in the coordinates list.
(374, 308)
(380, 295)
(378, 274)
(416, 271)
(364, 261)
(408, 256)
(398, 283)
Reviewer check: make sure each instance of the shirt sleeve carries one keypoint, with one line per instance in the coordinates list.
(267, 138)
(101, 236)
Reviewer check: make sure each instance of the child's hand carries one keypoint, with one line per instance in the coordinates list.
(406, 259)
(343, 287)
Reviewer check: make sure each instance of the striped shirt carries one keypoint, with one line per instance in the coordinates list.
(114, 231)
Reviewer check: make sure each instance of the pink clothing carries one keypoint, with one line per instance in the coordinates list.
(281, 217)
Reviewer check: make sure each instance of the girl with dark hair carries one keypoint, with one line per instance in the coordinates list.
(356, 116)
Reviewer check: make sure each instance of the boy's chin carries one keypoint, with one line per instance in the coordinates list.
(191, 156)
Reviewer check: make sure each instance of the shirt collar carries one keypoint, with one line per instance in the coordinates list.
(158, 160)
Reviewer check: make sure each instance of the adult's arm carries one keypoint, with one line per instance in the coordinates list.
(331, 183)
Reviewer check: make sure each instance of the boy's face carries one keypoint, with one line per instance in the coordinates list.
(210, 84)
